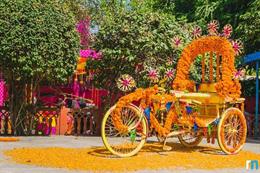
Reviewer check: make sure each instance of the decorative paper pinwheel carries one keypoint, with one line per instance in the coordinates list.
(237, 46)
(196, 32)
(169, 74)
(126, 83)
(213, 27)
(153, 75)
(240, 74)
(176, 41)
(227, 30)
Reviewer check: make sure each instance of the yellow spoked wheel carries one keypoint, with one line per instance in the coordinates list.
(190, 139)
(129, 143)
(232, 131)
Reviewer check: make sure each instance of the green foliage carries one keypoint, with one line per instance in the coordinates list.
(249, 27)
(131, 39)
(37, 39)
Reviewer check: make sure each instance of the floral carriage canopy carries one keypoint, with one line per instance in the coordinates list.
(226, 85)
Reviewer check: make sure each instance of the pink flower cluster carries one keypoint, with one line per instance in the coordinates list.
(89, 53)
(84, 31)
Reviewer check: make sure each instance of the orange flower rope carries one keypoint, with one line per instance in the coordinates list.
(217, 70)
(203, 69)
(211, 67)
(147, 97)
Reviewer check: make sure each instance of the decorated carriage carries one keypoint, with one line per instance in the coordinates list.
(212, 109)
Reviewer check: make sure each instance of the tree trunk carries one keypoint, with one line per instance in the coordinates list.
(17, 106)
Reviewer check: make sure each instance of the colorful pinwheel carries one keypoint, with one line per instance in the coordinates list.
(126, 83)
(237, 46)
(176, 41)
(153, 75)
(227, 30)
(213, 27)
(196, 32)
(169, 74)
(240, 74)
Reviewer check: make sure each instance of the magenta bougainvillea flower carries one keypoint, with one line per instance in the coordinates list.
(213, 27)
(169, 74)
(227, 30)
(237, 46)
(83, 28)
(126, 83)
(196, 32)
(176, 41)
(89, 53)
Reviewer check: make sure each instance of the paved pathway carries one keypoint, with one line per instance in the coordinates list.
(8, 166)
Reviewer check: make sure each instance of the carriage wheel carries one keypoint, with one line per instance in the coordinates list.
(129, 143)
(190, 139)
(232, 131)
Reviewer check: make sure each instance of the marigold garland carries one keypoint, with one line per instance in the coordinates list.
(226, 87)
(147, 98)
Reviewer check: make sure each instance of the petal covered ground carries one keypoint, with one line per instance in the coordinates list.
(151, 157)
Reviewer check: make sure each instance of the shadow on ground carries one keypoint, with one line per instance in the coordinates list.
(155, 147)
